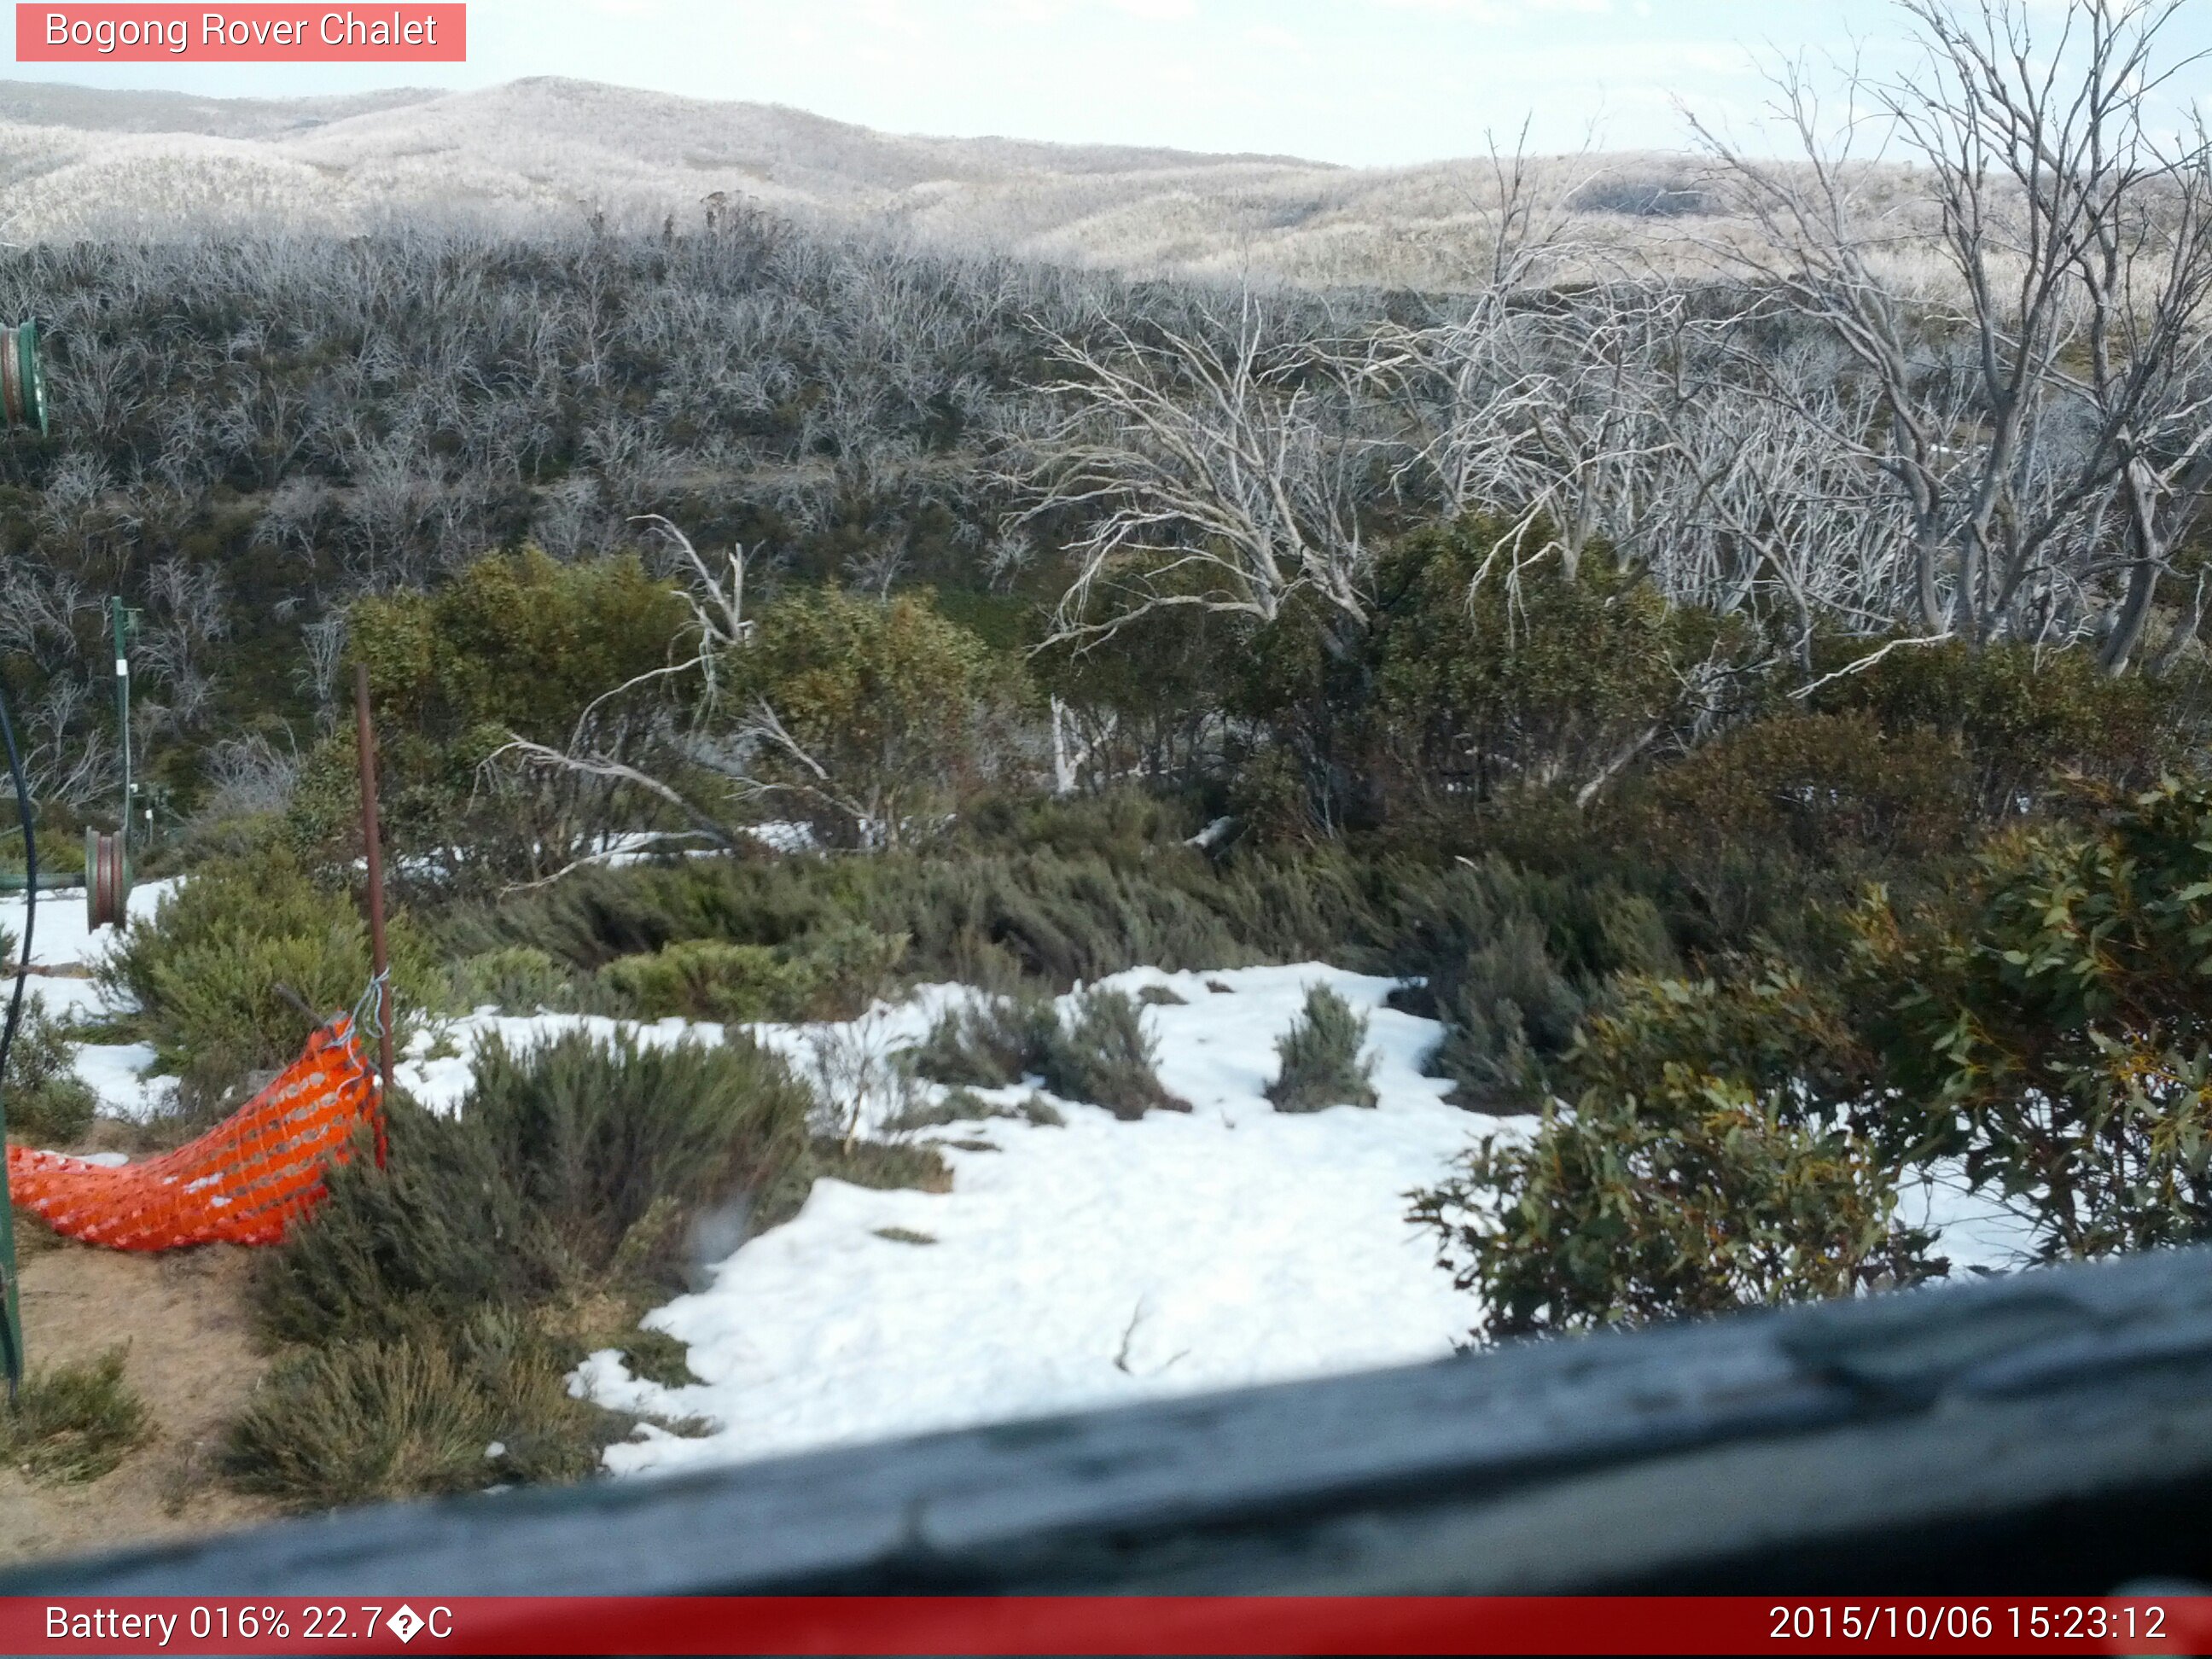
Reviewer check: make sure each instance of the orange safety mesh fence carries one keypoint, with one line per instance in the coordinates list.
(245, 1182)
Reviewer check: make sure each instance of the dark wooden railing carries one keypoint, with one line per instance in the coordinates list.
(2047, 1432)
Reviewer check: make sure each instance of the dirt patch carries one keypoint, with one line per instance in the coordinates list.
(191, 1360)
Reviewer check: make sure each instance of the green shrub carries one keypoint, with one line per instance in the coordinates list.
(1510, 960)
(900, 712)
(596, 1134)
(1123, 824)
(1506, 1007)
(2051, 1020)
(1103, 1056)
(75, 1423)
(656, 1356)
(1272, 799)
(2021, 713)
(571, 1169)
(447, 1294)
(987, 1042)
(881, 1165)
(516, 978)
(1788, 1039)
(965, 1106)
(46, 1099)
(362, 1421)
(1321, 1064)
(440, 1231)
(709, 980)
(995, 920)
(1730, 1143)
(1483, 681)
(1700, 1200)
(513, 643)
(1815, 783)
(202, 972)
(848, 965)
(416, 1415)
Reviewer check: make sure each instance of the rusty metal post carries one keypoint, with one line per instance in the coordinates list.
(365, 737)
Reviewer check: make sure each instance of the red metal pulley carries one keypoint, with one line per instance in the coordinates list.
(107, 880)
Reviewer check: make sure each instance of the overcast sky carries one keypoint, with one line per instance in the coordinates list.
(1356, 81)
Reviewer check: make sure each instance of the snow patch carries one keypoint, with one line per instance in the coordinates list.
(1083, 1265)
(116, 1072)
(60, 936)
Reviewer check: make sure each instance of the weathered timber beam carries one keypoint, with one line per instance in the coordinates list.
(2046, 1432)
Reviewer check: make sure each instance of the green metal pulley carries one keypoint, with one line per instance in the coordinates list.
(22, 381)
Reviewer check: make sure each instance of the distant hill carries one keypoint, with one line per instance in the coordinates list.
(98, 109)
(84, 162)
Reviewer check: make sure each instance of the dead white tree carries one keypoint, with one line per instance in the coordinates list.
(1207, 465)
(1525, 401)
(2043, 399)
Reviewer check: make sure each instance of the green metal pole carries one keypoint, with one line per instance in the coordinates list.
(11, 1290)
(50, 881)
(120, 619)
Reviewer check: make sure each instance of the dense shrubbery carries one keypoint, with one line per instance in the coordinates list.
(444, 1297)
(1621, 848)
(1555, 676)
(2020, 716)
(2044, 1021)
(1607, 849)
(512, 646)
(880, 714)
(208, 973)
(1698, 1200)
(517, 979)
(708, 979)
(566, 1163)
(832, 972)
(417, 1416)
(2051, 1020)
(1710, 1157)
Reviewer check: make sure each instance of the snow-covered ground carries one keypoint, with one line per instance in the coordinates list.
(60, 938)
(1069, 1266)
(1072, 1265)
(1091, 1263)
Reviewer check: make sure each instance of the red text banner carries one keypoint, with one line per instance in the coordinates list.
(428, 1623)
(258, 33)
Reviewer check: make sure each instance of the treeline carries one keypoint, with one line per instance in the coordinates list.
(1758, 954)
(249, 434)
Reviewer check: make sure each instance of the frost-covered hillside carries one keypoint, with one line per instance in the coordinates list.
(81, 161)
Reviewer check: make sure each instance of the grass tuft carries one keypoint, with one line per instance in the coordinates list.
(366, 1420)
(76, 1422)
(1104, 1056)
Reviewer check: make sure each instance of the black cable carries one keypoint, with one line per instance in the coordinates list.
(30, 880)
(13, 1358)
